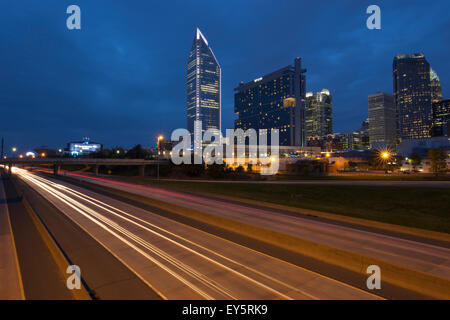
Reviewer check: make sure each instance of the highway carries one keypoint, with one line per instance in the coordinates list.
(425, 257)
(181, 262)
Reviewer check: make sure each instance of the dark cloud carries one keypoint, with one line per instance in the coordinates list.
(121, 79)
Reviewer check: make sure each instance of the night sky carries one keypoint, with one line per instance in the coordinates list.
(121, 79)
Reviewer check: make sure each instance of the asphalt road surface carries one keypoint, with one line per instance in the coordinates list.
(181, 262)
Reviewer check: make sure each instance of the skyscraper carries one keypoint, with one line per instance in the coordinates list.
(382, 123)
(203, 86)
(359, 138)
(274, 101)
(412, 91)
(441, 118)
(318, 114)
(436, 90)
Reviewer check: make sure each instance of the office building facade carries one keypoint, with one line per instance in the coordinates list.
(435, 87)
(382, 120)
(441, 118)
(318, 114)
(274, 101)
(203, 86)
(412, 91)
(359, 139)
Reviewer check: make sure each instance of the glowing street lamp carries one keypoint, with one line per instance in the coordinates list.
(385, 156)
(160, 137)
(43, 154)
(14, 149)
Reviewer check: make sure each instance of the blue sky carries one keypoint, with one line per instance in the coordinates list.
(121, 79)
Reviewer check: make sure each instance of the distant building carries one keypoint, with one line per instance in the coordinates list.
(436, 90)
(331, 142)
(318, 114)
(359, 138)
(164, 149)
(412, 91)
(81, 148)
(421, 146)
(274, 101)
(203, 86)
(382, 124)
(441, 118)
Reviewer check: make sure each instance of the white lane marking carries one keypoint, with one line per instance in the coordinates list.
(85, 198)
(162, 266)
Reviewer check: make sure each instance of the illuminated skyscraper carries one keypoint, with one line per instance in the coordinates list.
(203, 86)
(382, 124)
(436, 90)
(274, 101)
(412, 91)
(318, 114)
(441, 118)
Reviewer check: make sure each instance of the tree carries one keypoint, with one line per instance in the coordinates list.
(415, 160)
(192, 170)
(374, 159)
(137, 152)
(437, 158)
(239, 169)
(216, 171)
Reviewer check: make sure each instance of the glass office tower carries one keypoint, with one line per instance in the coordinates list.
(441, 118)
(274, 101)
(318, 114)
(203, 86)
(436, 90)
(412, 92)
(382, 124)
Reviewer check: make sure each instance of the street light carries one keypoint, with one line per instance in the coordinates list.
(160, 138)
(385, 155)
(14, 149)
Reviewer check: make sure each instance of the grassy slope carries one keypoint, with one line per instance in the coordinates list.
(426, 208)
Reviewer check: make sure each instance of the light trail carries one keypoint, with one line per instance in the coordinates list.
(102, 205)
(57, 195)
(49, 186)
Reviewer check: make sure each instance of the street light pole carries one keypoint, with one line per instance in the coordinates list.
(157, 157)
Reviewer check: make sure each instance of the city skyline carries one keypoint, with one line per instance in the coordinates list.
(109, 96)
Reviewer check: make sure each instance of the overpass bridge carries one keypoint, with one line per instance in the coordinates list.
(57, 163)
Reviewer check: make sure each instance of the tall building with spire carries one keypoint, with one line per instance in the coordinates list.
(203, 87)
(436, 90)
